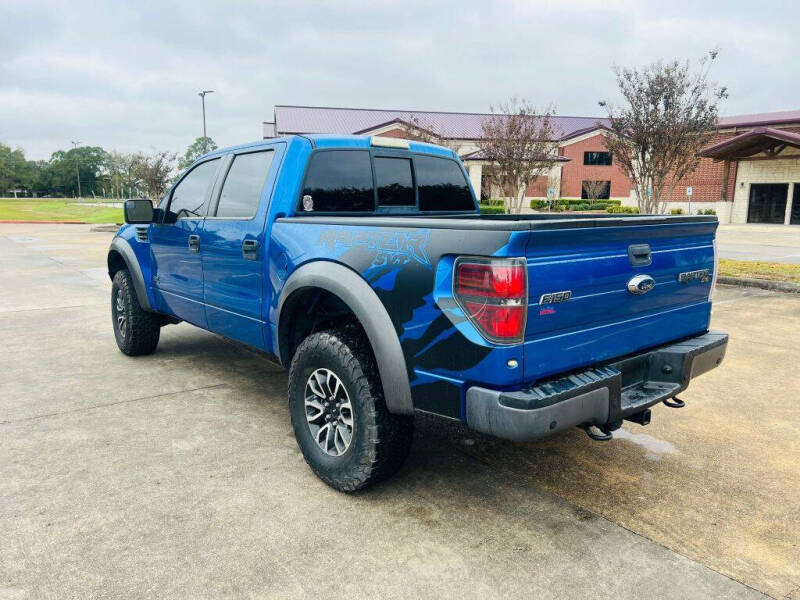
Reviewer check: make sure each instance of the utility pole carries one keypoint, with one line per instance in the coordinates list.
(203, 100)
(77, 170)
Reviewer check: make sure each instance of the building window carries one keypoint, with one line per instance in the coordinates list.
(595, 190)
(601, 159)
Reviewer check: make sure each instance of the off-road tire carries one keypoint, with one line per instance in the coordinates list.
(380, 440)
(140, 329)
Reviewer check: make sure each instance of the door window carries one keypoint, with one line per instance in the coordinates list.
(241, 192)
(339, 181)
(190, 196)
(767, 202)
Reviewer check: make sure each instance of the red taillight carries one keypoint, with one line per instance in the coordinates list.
(501, 281)
(494, 295)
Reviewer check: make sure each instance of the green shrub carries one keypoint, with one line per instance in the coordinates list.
(598, 204)
(562, 204)
(631, 210)
(708, 211)
(676, 211)
(575, 204)
(491, 209)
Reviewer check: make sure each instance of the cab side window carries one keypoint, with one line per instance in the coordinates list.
(241, 192)
(190, 196)
(441, 184)
(339, 181)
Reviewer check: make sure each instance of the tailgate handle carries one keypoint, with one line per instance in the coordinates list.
(639, 255)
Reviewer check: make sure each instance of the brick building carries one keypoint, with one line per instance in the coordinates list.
(749, 173)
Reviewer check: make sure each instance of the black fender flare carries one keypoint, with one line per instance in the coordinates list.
(123, 248)
(356, 293)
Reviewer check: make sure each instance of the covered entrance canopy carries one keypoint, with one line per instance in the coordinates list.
(766, 140)
(773, 196)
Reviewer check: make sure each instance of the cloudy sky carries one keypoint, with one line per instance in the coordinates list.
(126, 75)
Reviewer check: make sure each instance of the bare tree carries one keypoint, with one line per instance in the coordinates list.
(670, 113)
(594, 189)
(424, 129)
(154, 172)
(517, 142)
(553, 183)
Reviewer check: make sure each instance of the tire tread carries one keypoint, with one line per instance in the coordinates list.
(145, 327)
(389, 435)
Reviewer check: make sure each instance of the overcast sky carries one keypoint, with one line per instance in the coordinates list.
(126, 75)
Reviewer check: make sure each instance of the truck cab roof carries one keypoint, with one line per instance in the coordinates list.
(320, 140)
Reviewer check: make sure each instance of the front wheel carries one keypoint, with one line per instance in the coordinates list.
(136, 330)
(341, 423)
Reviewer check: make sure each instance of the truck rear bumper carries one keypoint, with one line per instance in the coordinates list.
(602, 395)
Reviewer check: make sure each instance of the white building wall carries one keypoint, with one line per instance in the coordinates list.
(475, 171)
(779, 170)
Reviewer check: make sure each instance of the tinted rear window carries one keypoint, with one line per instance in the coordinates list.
(442, 185)
(395, 184)
(340, 180)
(241, 192)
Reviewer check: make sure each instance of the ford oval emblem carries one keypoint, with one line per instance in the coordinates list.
(641, 284)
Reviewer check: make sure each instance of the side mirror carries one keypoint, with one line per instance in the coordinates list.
(138, 211)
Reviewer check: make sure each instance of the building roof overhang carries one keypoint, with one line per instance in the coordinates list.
(408, 125)
(479, 155)
(766, 140)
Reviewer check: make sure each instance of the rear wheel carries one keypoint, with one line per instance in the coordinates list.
(136, 330)
(341, 423)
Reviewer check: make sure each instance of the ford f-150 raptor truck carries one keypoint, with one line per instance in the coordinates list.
(364, 266)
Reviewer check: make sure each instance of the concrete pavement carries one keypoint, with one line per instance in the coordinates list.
(769, 243)
(177, 475)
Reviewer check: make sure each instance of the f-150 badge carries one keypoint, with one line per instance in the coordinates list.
(554, 297)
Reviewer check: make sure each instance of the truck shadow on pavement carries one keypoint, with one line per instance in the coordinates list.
(443, 449)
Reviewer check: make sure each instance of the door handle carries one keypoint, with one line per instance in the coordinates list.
(250, 249)
(194, 243)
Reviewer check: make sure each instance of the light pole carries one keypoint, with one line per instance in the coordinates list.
(203, 100)
(77, 170)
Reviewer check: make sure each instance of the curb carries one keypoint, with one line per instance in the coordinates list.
(764, 284)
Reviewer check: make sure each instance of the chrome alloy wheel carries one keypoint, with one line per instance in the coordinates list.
(119, 304)
(329, 412)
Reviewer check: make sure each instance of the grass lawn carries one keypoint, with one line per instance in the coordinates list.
(57, 210)
(759, 270)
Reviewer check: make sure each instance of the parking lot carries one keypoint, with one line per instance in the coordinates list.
(770, 243)
(177, 475)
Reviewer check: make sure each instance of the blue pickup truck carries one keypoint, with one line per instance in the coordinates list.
(364, 266)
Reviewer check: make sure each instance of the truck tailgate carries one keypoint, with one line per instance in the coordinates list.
(597, 317)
